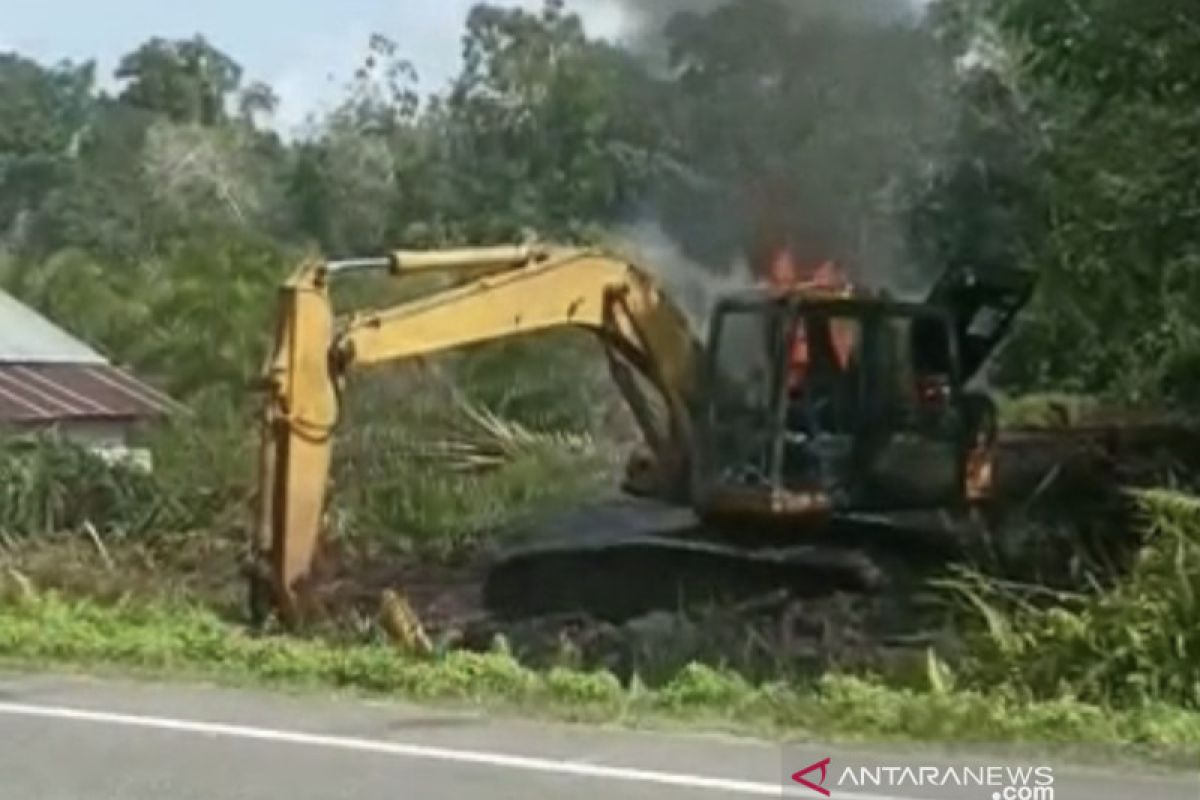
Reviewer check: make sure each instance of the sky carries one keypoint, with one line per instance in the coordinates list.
(305, 49)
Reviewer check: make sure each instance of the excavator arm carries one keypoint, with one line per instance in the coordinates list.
(501, 293)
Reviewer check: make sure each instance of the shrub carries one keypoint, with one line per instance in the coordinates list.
(1136, 644)
(52, 485)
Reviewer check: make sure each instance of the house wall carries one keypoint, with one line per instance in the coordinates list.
(109, 439)
(87, 433)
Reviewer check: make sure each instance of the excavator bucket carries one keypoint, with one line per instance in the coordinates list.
(985, 303)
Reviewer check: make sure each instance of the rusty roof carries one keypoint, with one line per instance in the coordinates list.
(47, 375)
(52, 392)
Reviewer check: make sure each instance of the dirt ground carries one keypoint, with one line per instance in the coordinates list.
(755, 637)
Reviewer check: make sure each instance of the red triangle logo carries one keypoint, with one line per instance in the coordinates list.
(817, 787)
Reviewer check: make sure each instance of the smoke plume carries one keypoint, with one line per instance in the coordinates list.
(644, 22)
(688, 283)
(803, 124)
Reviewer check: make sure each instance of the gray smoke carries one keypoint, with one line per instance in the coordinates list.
(695, 289)
(645, 20)
(811, 130)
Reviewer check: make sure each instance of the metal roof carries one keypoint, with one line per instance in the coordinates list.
(47, 375)
(28, 337)
(46, 393)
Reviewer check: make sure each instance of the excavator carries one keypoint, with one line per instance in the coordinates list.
(781, 441)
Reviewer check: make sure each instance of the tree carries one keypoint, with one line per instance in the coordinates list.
(1116, 91)
(163, 158)
(345, 184)
(195, 175)
(257, 99)
(185, 80)
(43, 115)
(539, 126)
(100, 204)
(216, 287)
(982, 203)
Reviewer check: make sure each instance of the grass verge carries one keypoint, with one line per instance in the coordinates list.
(48, 630)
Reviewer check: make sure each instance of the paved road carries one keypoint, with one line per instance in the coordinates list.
(71, 738)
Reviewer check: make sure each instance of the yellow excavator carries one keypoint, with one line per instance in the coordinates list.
(804, 415)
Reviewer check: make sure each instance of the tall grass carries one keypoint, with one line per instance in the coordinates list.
(443, 478)
(439, 482)
(1136, 643)
(49, 484)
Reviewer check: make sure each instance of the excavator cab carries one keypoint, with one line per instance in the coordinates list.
(818, 406)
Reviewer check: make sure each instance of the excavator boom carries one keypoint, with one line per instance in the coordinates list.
(499, 293)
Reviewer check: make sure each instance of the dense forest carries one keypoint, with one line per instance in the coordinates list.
(157, 219)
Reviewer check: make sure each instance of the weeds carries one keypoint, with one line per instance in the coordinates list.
(445, 475)
(46, 629)
(51, 485)
(1135, 644)
(1045, 410)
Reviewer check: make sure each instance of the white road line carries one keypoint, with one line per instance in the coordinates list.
(500, 760)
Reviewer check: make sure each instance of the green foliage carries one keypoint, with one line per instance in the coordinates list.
(1113, 89)
(537, 127)
(43, 629)
(551, 382)
(1135, 644)
(1046, 410)
(41, 117)
(99, 205)
(447, 477)
(185, 80)
(371, 172)
(698, 686)
(985, 716)
(52, 486)
(1110, 48)
(981, 204)
(580, 690)
(203, 467)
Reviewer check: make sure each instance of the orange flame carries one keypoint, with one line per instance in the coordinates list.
(784, 273)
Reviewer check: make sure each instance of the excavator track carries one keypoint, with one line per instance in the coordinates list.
(627, 557)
